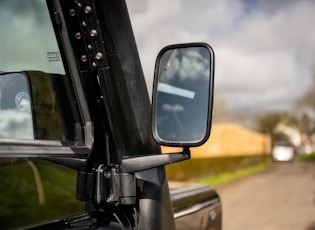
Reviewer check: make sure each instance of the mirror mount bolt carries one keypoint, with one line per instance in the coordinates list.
(114, 186)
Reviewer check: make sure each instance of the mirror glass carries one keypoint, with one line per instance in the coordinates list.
(15, 107)
(182, 95)
(38, 106)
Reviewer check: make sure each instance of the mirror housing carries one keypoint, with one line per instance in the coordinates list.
(182, 103)
(182, 97)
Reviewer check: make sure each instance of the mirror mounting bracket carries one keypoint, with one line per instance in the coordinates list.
(140, 163)
(116, 184)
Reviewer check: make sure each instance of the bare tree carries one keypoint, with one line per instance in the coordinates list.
(267, 123)
(305, 105)
(220, 108)
(304, 108)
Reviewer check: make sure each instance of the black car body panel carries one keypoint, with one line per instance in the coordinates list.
(196, 207)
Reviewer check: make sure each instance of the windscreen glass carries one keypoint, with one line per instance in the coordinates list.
(28, 40)
(33, 74)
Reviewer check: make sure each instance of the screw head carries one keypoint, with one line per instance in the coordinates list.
(93, 33)
(88, 9)
(99, 56)
(72, 12)
(78, 35)
(83, 58)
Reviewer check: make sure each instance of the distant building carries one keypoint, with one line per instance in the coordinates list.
(293, 133)
(231, 140)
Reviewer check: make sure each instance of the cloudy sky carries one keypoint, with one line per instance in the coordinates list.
(263, 48)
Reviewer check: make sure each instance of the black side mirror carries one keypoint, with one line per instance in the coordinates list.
(181, 103)
(183, 94)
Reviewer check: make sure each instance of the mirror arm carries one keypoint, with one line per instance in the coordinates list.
(129, 164)
(140, 163)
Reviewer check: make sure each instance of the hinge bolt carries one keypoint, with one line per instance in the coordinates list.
(107, 174)
(109, 198)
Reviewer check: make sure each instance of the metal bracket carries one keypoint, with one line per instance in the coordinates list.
(114, 187)
(86, 34)
(140, 163)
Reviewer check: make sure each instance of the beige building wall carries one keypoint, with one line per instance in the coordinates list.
(231, 140)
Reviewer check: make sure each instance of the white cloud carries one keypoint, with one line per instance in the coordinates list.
(264, 51)
(16, 124)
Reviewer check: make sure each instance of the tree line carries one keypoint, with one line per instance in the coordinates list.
(300, 117)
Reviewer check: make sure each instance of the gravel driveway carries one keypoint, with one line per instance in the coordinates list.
(281, 197)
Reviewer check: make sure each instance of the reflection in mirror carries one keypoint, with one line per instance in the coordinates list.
(15, 107)
(182, 95)
(40, 106)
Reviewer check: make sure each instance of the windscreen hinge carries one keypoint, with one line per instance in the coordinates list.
(114, 186)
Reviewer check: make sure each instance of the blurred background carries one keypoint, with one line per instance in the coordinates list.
(264, 67)
(264, 93)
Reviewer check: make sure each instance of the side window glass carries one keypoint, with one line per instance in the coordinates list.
(35, 191)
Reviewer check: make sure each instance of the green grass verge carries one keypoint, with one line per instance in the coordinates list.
(305, 156)
(196, 168)
(225, 177)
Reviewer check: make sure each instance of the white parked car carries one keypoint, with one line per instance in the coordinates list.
(283, 151)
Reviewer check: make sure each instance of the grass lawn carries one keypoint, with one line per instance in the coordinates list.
(305, 156)
(226, 177)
